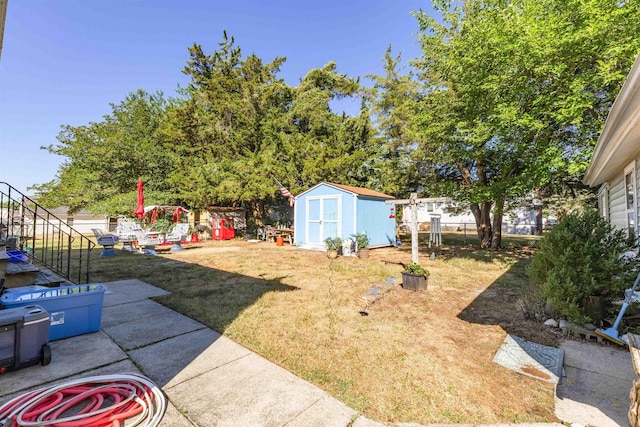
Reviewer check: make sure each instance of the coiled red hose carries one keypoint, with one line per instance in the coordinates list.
(100, 401)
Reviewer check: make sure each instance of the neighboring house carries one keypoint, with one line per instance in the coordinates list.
(515, 221)
(336, 210)
(82, 222)
(444, 207)
(615, 164)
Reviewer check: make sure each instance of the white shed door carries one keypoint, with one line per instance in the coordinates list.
(323, 218)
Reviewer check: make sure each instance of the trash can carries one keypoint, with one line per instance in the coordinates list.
(24, 333)
(73, 310)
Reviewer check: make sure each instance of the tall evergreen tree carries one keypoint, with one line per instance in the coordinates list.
(394, 100)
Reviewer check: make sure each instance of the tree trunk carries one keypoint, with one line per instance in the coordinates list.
(538, 210)
(498, 213)
(257, 212)
(482, 215)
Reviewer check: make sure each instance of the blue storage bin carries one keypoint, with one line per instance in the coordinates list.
(73, 310)
(30, 288)
(17, 256)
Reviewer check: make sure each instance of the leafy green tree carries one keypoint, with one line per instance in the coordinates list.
(104, 160)
(324, 146)
(235, 128)
(394, 101)
(516, 92)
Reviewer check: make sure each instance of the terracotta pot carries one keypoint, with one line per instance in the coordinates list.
(363, 253)
(332, 254)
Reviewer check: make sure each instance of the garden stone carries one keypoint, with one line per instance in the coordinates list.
(562, 324)
(590, 327)
(551, 322)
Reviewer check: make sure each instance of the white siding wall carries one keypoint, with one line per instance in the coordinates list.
(637, 160)
(617, 202)
(617, 197)
(82, 226)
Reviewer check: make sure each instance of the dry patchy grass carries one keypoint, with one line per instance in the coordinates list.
(423, 357)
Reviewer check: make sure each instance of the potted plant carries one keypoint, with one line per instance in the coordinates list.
(333, 245)
(362, 243)
(414, 277)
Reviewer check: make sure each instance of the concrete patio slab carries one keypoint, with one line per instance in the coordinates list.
(68, 357)
(326, 412)
(176, 360)
(148, 329)
(130, 312)
(249, 391)
(366, 422)
(173, 418)
(123, 291)
(596, 388)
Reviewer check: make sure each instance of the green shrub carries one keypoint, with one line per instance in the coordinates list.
(582, 257)
(333, 243)
(362, 240)
(414, 268)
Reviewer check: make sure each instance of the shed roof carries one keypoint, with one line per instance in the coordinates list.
(351, 189)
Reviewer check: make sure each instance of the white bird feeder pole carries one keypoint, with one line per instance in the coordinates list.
(413, 202)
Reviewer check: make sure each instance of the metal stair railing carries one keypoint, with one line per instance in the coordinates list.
(44, 237)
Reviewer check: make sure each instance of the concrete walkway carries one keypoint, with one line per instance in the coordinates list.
(212, 381)
(595, 390)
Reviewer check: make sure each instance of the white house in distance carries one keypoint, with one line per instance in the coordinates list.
(515, 221)
(615, 164)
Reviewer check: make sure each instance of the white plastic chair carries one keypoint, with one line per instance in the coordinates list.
(146, 244)
(107, 241)
(126, 231)
(177, 235)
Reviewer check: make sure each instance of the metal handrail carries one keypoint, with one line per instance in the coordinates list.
(44, 237)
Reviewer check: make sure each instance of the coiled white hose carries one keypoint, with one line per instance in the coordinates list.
(136, 401)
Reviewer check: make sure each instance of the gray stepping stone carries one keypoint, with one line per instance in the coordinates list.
(531, 359)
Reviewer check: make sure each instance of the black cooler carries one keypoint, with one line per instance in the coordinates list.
(24, 333)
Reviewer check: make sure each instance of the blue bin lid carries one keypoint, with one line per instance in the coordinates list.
(50, 293)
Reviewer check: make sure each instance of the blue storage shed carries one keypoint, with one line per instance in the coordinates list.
(336, 210)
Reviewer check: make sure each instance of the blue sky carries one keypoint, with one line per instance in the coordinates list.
(64, 62)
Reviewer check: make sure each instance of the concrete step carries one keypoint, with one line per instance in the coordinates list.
(48, 278)
(20, 274)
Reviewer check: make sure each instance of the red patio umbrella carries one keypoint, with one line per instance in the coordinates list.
(139, 212)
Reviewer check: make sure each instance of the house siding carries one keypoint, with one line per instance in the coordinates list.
(617, 205)
(637, 191)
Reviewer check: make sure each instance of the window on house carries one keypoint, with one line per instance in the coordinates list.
(603, 201)
(70, 221)
(630, 196)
